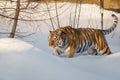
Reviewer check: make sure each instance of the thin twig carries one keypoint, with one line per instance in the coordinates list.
(75, 13)
(49, 15)
(79, 12)
(57, 14)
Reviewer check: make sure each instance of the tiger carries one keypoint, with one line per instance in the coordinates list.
(77, 40)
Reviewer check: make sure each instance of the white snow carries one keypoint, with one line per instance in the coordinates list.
(21, 61)
(30, 57)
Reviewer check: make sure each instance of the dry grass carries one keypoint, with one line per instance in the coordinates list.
(108, 4)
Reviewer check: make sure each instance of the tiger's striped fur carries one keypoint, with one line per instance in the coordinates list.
(71, 40)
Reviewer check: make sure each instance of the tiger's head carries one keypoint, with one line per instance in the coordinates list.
(57, 38)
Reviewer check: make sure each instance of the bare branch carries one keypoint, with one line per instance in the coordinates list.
(75, 13)
(49, 14)
(79, 12)
(57, 14)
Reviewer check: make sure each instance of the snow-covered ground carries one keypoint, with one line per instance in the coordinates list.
(21, 61)
(30, 57)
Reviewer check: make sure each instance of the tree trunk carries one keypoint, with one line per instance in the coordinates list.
(102, 20)
(46, 2)
(74, 23)
(12, 34)
(80, 3)
(101, 11)
(57, 14)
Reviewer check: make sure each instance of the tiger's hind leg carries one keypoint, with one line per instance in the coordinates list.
(104, 48)
(92, 51)
(101, 45)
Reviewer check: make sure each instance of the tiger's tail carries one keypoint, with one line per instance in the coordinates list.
(109, 30)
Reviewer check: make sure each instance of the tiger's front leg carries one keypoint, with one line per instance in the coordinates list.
(70, 52)
(57, 52)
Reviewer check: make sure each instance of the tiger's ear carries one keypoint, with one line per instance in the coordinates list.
(61, 33)
(50, 31)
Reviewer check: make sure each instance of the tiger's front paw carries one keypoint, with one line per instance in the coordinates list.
(56, 52)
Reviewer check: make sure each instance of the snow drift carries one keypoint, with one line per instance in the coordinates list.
(22, 61)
